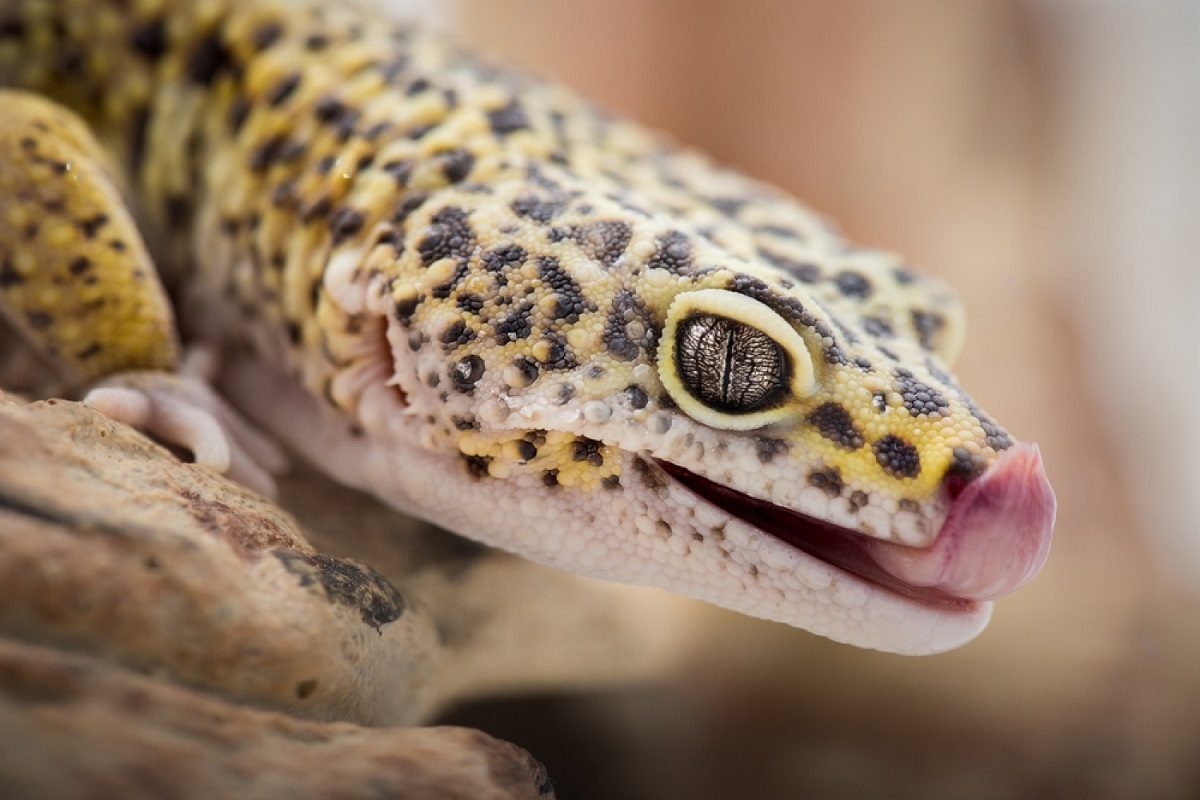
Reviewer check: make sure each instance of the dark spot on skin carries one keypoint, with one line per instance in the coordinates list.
(965, 467)
(345, 223)
(629, 329)
(404, 309)
(470, 303)
(278, 94)
(239, 109)
(920, 399)
(903, 275)
(898, 457)
(853, 284)
(417, 86)
(652, 476)
(767, 448)
(674, 253)
(477, 466)
(526, 450)
(585, 449)
(400, 169)
(782, 231)
(858, 499)
(456, 333)
(456, 164)
(558, 355)
(503, 257)
(550, 477)
(391, 71)
(828, 480)
(318, 209)
(408, 205)
(329, 109)
(636, 397)
(209, 60)
(536, 209)
(565, 393)
(9, 275)
(928, 325)
(449, 235)
(88, 352)
(80, 265)
(508, 118)
(997, 438)
(38, 320)
(729, 206)
(466, 372)
(265, 35)
(92, 225)
(149, 39)
(907, 504)
(785, 306)
(516, 326)
(304, 689)
(527, 368)
(604, 240)
(874, 326)
(418, 132)
(267, 153)
(316, 42)
(800, 270)
(834, 355)
(834, 423)
(347, 584)
(569, 300)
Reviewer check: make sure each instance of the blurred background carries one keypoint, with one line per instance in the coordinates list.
(1042, 157)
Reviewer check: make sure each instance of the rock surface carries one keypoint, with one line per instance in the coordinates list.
(73, 726)
(111, 546)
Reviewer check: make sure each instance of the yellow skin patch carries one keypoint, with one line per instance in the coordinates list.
(75, 278)
(488, 281)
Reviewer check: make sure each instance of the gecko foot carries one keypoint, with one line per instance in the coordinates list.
(181, 409)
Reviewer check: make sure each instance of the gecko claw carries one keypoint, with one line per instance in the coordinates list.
(183, 411)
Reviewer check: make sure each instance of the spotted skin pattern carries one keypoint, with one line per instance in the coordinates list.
(475, 270)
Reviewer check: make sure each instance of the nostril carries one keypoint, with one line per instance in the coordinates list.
(965, 467)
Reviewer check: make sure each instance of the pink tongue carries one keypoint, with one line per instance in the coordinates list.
(995, 538)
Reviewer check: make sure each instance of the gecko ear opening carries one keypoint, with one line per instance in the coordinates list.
(731, 362)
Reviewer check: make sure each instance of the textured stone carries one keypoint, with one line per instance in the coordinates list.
(77, 727)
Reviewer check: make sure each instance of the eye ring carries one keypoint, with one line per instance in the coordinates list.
(731, 362)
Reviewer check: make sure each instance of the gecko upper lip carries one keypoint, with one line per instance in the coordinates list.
(995, 537)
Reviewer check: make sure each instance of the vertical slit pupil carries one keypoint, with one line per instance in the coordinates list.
(730, 366)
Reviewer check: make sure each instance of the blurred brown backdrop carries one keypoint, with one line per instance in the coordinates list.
(980, 139)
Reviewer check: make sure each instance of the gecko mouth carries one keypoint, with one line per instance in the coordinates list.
(995, 537)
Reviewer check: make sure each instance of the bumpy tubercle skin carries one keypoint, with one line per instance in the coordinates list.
(471, 272)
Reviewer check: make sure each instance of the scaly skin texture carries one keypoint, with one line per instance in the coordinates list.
(486, 284)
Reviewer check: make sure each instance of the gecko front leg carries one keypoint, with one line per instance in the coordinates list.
(77, 283)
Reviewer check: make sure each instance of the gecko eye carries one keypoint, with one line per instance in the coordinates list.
(731, 362)
(730, 366)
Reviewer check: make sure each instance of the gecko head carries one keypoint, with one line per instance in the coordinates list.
(783, 442)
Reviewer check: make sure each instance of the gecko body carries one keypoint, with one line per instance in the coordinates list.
(496, 307)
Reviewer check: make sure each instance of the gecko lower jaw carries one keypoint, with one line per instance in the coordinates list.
(995, 538)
